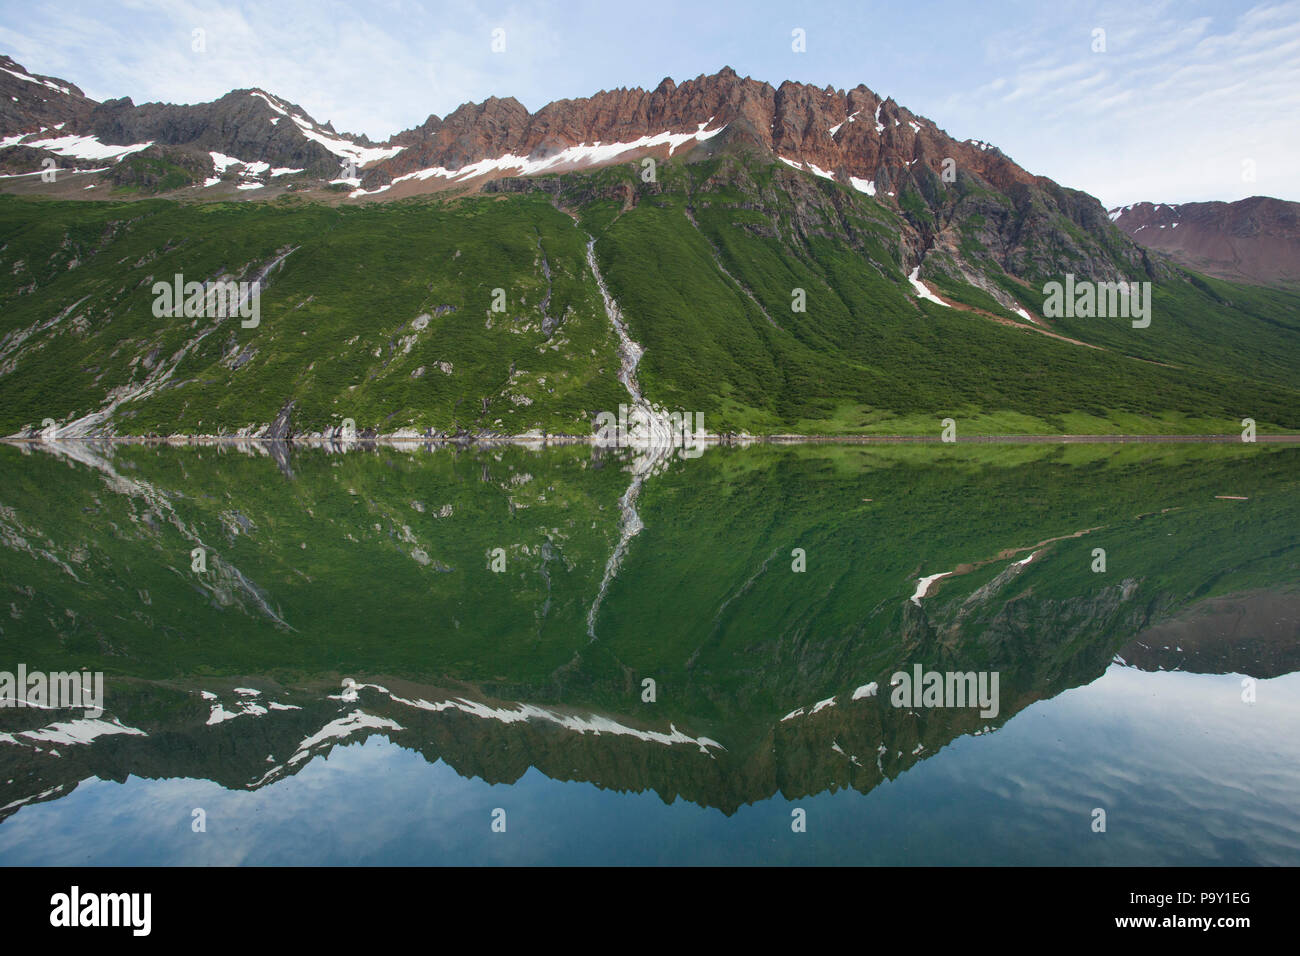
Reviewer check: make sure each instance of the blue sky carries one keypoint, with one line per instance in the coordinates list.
(1187, 100)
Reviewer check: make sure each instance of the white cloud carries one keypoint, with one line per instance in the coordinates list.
(1168, 113)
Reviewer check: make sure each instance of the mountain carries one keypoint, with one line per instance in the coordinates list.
(1252, 240)
(795, 260)
(856, 136)
(252, 140)
(247, 138)
(29, 102)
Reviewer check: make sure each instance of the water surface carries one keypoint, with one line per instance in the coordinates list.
(670, 658)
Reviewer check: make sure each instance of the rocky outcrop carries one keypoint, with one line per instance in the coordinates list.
(242, 124)
(44, 116)
(29, 102)
(1254, 240)
(161, 168)
(849, 134)
(281, 429)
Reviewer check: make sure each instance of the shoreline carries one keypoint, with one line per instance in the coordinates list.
(699, 442)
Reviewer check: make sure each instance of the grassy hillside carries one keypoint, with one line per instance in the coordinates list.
(336, 333)
(867, 356)
(382, 313)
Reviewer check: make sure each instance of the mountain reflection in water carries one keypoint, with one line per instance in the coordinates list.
(347, 630)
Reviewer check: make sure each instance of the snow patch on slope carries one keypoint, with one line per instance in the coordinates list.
(923, 585)
(595, 724)
(581, 155)
(85, 147)
(38, 82)
(923, 291)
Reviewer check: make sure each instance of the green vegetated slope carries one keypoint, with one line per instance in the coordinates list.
(379, 562)
(704, 263)
(340, 329)
(867, 356)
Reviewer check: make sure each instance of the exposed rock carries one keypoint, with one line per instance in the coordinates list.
(1253, 240)
(27, 105)
(280, 428)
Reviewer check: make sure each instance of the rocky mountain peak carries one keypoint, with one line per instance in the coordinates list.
(30, 102)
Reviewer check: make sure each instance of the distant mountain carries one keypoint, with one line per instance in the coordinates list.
(1251, 240)
(780, 259)
(246, 138)
(29, 102)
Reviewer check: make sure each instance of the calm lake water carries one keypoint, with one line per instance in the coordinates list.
(506, 655)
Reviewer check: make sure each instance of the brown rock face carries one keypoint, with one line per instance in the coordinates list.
(29, 102)
(248, 124)
(1256, 240)
(851, 136)
(242, 123)
(852, 133)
